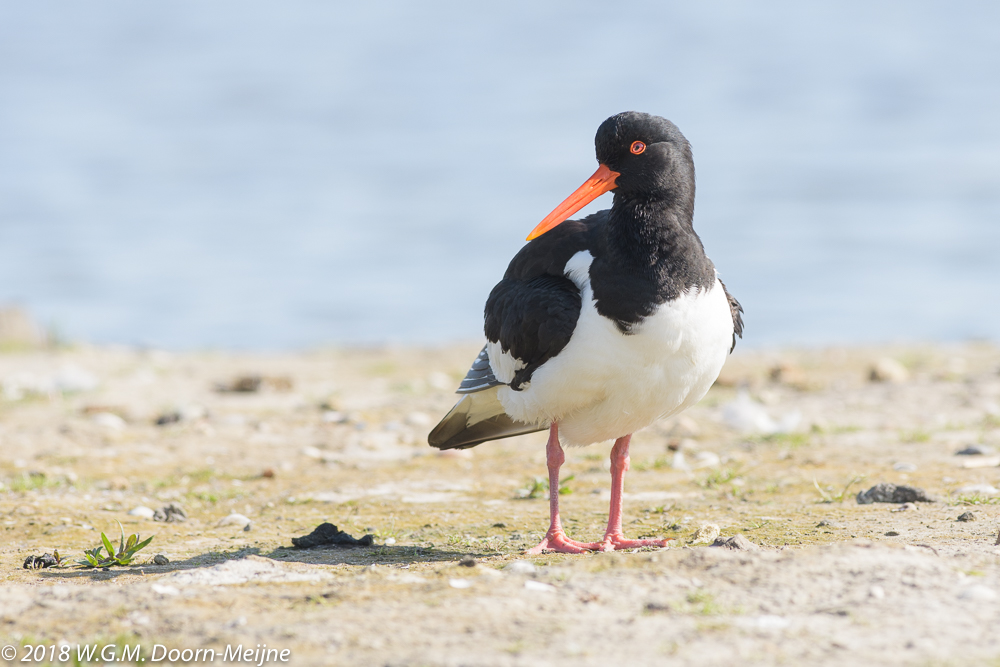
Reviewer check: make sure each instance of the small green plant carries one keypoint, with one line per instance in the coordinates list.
(538, 486)
(790, 440)
(829, 497)
(915, 436)
(535, 488)
(719, 477)
(703, 603)
(654, 464)
(975, 499)
(127, 550)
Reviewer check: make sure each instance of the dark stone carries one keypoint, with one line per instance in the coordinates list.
(966, 516)
(736, 542)
(891, 493)
(172, 513)
(974, 450)
(168, 418)
(328, 535)
(467, 561)
(160, 559)
(38, 562)
(892, 533)
(499, 525)
(246, 384)
(829, 523)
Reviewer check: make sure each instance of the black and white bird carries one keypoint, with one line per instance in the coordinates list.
(603, 325)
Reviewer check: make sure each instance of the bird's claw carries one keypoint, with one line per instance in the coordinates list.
(557, 541)
(617, 542)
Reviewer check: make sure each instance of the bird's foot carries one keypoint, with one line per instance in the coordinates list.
(556, 540)
(617, 542)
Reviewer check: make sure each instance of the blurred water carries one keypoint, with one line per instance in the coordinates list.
(245, 174)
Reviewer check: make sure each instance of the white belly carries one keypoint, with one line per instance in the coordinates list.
(605, 384)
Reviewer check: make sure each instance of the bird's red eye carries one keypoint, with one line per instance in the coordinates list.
(637, 147)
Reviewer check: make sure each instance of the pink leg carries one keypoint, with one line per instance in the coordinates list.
(555, 539)
(614, 538)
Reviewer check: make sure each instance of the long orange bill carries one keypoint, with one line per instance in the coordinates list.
(602, 181)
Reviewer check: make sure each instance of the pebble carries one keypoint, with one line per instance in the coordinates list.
(160, 559)
(73, 379)
(966, 516)
(467, 561)
(520, 567)
(164, 590)
(460, 583)
(748, 416)
(234, 519)
(541, 587)
(892, 493)
(736, 542)
(888, 369)
(312, 452)
(978, 593)
(327, 534)
(168, 418)
(245, 384)
(789, 374)
(706, 534)
(981, 462)
(978, 489)
(334, 417)
(419, 419)
(905, 507)
(904, 467)
(38, 562)
(108, 420)
(975, 450)
(439, 380)
(172, 513)
(876, 592)
(142, 511)
(829, 523)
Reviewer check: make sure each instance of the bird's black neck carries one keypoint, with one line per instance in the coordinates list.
(647, 233)
(652, 255)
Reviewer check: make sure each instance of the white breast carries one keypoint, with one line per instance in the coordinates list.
(605, 384)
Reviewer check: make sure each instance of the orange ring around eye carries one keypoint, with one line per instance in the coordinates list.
(637, 147)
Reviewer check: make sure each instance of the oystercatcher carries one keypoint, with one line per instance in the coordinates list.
(603, 325)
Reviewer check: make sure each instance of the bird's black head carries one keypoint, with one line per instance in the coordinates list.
(651, 156)
(645, 159)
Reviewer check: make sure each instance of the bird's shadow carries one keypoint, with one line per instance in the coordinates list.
(326, 555)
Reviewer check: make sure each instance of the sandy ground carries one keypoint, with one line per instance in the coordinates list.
(776, 452)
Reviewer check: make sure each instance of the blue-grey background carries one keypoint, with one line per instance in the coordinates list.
(278, 175)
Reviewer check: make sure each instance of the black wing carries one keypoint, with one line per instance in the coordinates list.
(533, 311)
(532, 320)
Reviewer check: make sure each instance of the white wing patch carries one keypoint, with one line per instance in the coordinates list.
(578, 269)
(504, 364)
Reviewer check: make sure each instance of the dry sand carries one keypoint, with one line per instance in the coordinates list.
(340, 436)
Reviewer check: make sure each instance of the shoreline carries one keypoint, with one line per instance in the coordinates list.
(339, 436)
